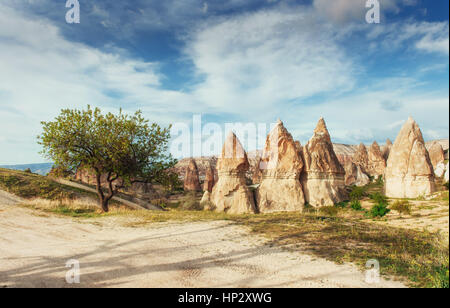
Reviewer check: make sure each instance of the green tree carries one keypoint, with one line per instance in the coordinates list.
(116, 146)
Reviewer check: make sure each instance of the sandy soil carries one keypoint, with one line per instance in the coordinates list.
(432, 216)
(34, 249)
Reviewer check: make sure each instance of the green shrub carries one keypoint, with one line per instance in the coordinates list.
(356, 205)
(379, 210)
(402, 207)
(341, 205)
(380, 181)
(357, 193)
(379, 198)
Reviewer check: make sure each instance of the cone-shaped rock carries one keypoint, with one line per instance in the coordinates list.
(281, 165)
(323, 178)
(387, 149)
(377, 164)
(191, 178)
(230, 194)
(436, 154)
(409, 173)
(209, 179)
(361, 158)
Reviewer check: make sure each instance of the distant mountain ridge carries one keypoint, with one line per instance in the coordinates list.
(42, 169)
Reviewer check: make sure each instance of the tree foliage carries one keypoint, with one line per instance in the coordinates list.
(116, 146)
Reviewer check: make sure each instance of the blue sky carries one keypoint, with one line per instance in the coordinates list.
(231, 61)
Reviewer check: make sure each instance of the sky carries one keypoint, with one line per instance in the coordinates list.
(228, 61)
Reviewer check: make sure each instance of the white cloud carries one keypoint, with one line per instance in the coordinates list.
(41, 73)
(264, 59)
(255, 66)
(431, 37)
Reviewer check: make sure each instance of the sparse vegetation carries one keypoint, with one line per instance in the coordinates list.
(357, 193)
(356, 205)
(402, 207)
(27, 185)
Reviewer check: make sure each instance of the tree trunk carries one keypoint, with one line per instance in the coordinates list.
(105, 206)
(101, 196)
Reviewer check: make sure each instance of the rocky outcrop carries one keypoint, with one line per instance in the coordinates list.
(436, 153)
(191, 178)
(386, 149)
(230, 194)
(323, 177)
(354, 175)
(281, 165)
(377, 164)
(409, 172)
(361, 158)
(209, 182)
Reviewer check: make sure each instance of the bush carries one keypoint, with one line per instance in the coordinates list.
(379, 198)
(380, 181)
(356, 205)
(379, 210)
(341, 205)
(357, 193)
(402, 207)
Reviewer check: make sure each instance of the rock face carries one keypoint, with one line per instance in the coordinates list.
(281, 165)
(409, 172)
(354, 175)
(439, 170)
(191, 178)
(230, 194)
(387, 149)
(446, 173)
(361, 158)
(209, 179)
(436, 153)
(323, 178)
(377, 164)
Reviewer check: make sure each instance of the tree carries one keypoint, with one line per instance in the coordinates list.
(115, 146)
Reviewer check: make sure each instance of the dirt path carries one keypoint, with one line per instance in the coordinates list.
(34, 249)
(133, 205)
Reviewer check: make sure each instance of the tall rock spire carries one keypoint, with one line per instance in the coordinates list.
(409, 172)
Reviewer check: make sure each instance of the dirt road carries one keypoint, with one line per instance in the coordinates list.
(131, 204)
(34, 249)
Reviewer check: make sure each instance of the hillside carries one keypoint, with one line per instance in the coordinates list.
(42, 169)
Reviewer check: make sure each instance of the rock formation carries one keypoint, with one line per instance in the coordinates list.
(446, 173)
(323, 178)
(387, 149)
(439, 170)
(409, 172)
(281, 165)
(361, 158)
(191, 178)
(436, 154)
(230, 194)
(209, 182)
(354, 175)
(377, 164)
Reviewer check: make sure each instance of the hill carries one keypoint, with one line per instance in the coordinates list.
(42, 169)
